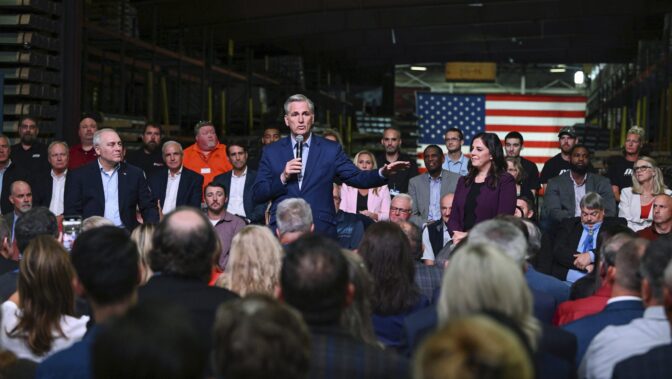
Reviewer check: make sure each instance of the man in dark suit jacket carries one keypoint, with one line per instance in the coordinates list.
(162, 182)
(10, 173)
(21, 197)
(314, 280)
(625, 303)
(58, 155)
(187, 243)
(281, 175)
(125, 186)
(574, 254)
(238, 183)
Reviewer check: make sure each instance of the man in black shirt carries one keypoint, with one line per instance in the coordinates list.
(391, 141)
(29, 154)
(148, 157)
(559, 164)
(620, 167)
(513, 144)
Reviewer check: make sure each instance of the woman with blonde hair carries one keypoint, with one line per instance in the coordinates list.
(374, 202)
(480, 277)
(637, 201)
(42, 320)
(142, 236)
(254, 264)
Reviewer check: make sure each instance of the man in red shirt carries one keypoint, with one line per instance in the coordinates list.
(84, 152)
(662, 219)
(207, 156)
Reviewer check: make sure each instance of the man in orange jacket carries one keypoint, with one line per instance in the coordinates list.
(207, 156)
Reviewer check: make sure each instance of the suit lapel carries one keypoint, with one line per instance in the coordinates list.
(97, 182)
(122, 178)
(423, 196)
(314, 153)
(182, 187)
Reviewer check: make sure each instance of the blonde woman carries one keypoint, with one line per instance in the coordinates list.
(637, 201)
(254, 262)
(142, 236)
(374, 202)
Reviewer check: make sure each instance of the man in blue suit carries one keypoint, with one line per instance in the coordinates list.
(282, 173)
(178, 185)
(238, 183)
(625, 303)
(109, 187)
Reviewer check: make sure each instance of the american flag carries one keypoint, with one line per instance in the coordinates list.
(537, 118)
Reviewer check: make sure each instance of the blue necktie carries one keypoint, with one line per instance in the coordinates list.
(588, 242)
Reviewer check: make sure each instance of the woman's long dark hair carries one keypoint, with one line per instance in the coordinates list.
(387, 254)
(498, 166)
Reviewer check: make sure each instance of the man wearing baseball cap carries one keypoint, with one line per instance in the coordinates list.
(559, 164)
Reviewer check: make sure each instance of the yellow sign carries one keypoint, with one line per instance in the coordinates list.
(471, 72)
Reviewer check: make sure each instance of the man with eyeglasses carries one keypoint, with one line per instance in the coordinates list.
(455, 161)
(207, 156)
(29, 154)
(662, 219)
(401, 208)
(108, 187)
(620, 167)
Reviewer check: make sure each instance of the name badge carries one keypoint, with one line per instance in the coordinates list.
(36, 155)
(205, 170)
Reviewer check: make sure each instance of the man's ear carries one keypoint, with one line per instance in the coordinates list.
(78, 287)
(349, 294)
(312, 228)
(611, 274)
(6, 248)
(646, 291)
(277, 292)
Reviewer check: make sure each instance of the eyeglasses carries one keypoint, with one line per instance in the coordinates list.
(641, 168)
(400, 210)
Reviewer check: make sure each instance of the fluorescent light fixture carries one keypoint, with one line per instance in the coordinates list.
(475, 4)
(418, 68)
(579, 77)
(558, 69)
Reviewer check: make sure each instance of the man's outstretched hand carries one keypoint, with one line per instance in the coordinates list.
(394, 167)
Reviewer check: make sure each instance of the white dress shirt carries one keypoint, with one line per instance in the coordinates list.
(57, 190)
(236, 191)
(171, 191)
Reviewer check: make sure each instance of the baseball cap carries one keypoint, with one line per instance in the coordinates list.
(567, 130)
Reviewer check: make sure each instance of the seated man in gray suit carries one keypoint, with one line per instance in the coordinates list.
(564, 192)
(427, 189)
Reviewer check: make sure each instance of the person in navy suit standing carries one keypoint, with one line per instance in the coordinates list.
(178, 185)
(109, 187)
(282, 173)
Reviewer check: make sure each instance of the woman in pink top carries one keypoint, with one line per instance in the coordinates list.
(373, 202)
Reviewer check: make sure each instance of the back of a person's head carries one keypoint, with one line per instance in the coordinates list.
(184, 244)
(45, 292)
(357, 317)
(257, 337)
(143, 235)
(481, 277)
(507, 236)
(106, 262)
(314, 279)
(95, 222)
(652, 266)
(36, 222)
(294, 215)
(152, 340)
(414, 235)
(254, 264)
(387, 254)
(627, 264)
(474, 347)
(533, 238)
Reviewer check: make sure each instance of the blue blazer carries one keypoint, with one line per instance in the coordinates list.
(326, 160)
(84, 194)
(253, 211)
(188, 192)
(586, 328)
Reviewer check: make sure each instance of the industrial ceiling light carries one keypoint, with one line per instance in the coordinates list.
(558, 69)
(579, 77)
(418, 68)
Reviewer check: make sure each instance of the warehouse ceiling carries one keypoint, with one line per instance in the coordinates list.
(371, 36)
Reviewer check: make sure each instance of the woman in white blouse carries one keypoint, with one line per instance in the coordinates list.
(40, 319)
(637, 201)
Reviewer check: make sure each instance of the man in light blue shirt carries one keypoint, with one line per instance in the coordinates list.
(455, 161)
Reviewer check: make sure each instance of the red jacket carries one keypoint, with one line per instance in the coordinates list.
(571, 310)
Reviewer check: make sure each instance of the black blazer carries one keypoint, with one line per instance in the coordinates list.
(84, 194)
(42, 189)
(567, 239)
(188, 192)
(253, 211)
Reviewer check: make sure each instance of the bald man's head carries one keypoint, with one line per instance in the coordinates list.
(662, 210)
(185, 244)
(21, 197)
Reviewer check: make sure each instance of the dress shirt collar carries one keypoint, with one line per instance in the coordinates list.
(437, 179)
(53, 174)
(585, 179)
(178, 173)
(656, 312)
(233, 174)
(306, 141)
(102, 169)
(623, 298)
(9, 163)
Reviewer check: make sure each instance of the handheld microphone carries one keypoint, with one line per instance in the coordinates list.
(299, 146)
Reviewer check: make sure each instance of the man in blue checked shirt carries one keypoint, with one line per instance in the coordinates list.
(455, 161)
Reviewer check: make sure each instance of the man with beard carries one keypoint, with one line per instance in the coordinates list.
(149, 156)
(207, 156)
(564, 192)
(455, 161)
(426, 190)
(21, 198)
(239, 182)
(30, 155)
(391, 141)
(84, 152)
(226, 225)
(559, 164)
